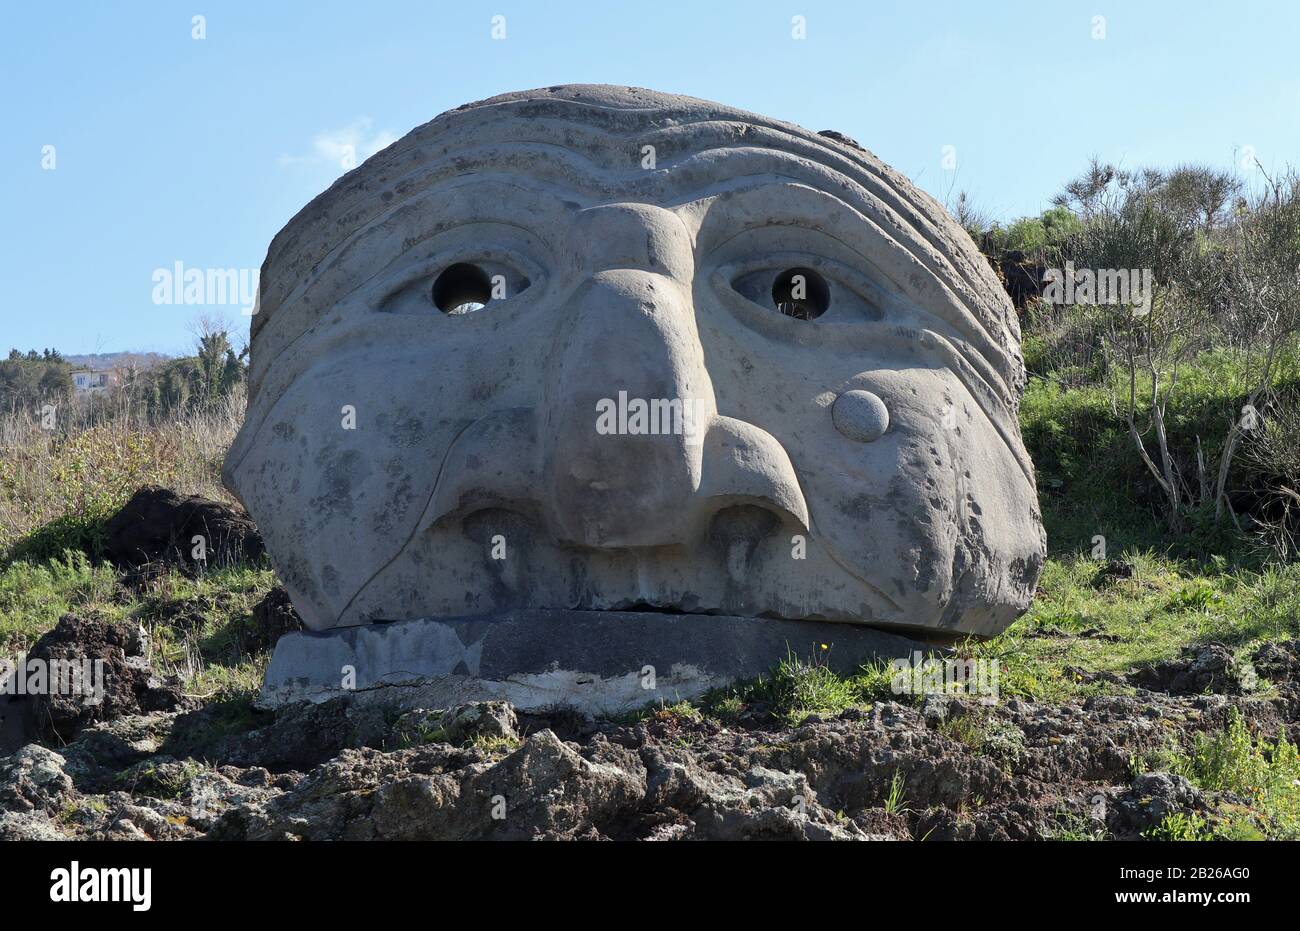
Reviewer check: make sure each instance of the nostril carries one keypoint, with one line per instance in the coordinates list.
(860, 415)
(493, 526)
(743, 522)
(737, 532)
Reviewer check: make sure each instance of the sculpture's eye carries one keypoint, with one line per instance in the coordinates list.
(461, 289)
(455, 289)
(799, 292)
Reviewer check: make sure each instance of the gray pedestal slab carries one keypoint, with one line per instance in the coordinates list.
(599, 662)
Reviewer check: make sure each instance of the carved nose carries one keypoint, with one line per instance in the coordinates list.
(633, 449)
(620, 468)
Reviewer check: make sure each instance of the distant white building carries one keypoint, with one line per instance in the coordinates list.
(88, 381)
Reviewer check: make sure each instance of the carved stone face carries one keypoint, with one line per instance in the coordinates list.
(721, 365)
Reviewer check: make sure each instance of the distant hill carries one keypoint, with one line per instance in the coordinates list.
(96, 361)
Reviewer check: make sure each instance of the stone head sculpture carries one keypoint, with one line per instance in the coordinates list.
(609, 349)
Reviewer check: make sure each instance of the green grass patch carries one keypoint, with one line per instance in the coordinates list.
(1082, 624)
(796, 688)
(199, 627)
(34, 595)
(1264, 773)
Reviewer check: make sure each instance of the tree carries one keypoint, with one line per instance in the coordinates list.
(1227, 280)
(56, 382)
(1126, 227)
(1256, 279)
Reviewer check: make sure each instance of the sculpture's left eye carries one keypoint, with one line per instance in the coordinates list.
(822, 291)
(461, 289)
(456, 289)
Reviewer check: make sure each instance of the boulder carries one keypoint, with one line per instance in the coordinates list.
(95, 671)
(160, 525)
(272, 618)
(486, 719)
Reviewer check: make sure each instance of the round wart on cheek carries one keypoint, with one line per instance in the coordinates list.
(860, 415)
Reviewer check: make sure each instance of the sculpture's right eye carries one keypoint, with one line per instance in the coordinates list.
(801, 293)
(457, 288)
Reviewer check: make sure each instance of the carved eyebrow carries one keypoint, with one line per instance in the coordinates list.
(802, 202)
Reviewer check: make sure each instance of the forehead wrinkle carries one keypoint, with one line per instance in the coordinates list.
(863, 170)
(753, 184)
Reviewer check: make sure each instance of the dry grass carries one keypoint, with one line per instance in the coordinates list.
(66, 480)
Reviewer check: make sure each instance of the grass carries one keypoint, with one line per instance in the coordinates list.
(34, 595)
(198, 627)
(797, 688)
(495, 745)
(895, 802)
(986, 734)
(58, 486)
(1083, 628)
(168, 780)
(1081, 624)
(1076, 827)
(1264, 774)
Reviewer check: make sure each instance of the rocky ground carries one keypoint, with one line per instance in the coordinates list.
(157, 766)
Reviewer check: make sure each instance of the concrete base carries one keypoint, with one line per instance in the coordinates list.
(599, 662)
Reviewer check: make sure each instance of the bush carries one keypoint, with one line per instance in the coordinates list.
(58, 487)
(1265, 773)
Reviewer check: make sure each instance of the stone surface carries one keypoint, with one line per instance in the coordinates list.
(1155, 796)
(601, 379)
(593, 661)
(861, 416)
(1203, 668)
(479, 719)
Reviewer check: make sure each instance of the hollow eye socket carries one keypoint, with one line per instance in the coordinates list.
(462, 289)
(801, 293)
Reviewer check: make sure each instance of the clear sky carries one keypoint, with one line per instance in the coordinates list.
(173, 149)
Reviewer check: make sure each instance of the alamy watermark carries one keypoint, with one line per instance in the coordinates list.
(628, 416)
(921, 675)
(81, 677)
(1124, 286)
(206, 287)
(77, 883)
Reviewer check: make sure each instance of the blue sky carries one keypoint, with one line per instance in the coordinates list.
(171, 149)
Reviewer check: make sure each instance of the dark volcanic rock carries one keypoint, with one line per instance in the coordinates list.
(480, 719)
(273, 617)
(296, 737)
(108, 676)
(1154, 797)
(1018, 770)
(159, 525)
(1279, 662)
(1209, 668)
